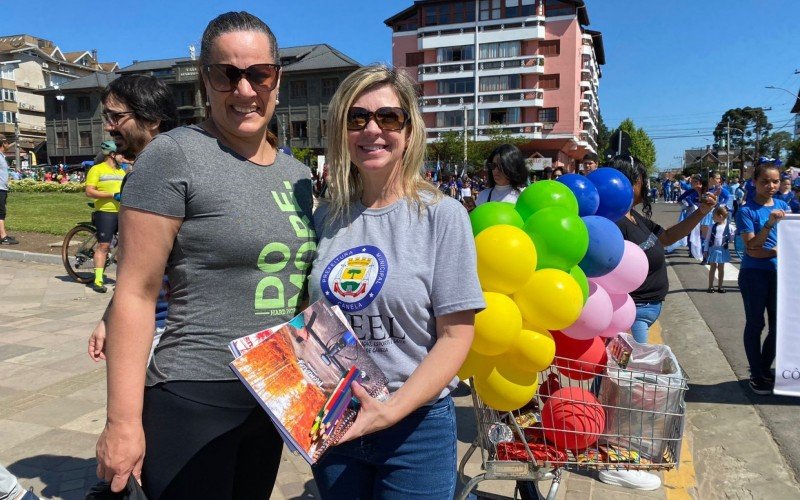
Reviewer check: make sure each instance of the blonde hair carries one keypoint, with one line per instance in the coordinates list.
(345, 184)
(720, 211)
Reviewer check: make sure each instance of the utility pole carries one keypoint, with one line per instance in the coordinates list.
(16, 142)
(465, 138)
(728, 155)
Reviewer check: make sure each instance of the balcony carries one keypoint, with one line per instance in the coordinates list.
(533, 64)
(521, 130)
(449, 102)
(502, 30)
(512, 98)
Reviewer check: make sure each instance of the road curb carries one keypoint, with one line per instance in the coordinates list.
(23, 256)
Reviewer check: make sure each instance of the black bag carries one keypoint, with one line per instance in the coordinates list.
(102, 491)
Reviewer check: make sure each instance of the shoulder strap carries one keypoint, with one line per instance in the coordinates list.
(489, 198)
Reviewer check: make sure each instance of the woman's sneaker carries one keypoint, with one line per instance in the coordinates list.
(634, 479)
(761, 386)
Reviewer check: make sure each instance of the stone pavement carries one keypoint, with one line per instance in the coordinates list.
(52, 404)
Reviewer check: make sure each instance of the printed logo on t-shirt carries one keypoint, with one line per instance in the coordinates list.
(355, 277)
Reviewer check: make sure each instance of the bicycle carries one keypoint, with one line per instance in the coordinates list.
(79, 261)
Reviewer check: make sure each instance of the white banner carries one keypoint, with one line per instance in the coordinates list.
(787, 359)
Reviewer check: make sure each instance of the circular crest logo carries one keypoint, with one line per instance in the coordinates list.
(354, 278)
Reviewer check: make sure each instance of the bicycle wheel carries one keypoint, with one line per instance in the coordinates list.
(77, 253)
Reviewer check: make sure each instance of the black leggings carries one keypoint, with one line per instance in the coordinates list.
(207, 440)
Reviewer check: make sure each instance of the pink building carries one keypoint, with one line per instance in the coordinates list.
(529, 67)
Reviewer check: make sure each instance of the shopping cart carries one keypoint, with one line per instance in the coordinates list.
(644, 418)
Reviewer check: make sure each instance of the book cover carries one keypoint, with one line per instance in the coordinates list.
(300, 374)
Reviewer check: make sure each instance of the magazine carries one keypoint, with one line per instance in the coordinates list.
(302, 373)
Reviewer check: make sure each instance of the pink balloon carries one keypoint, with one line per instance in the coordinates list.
(629, 274)
(595, 316)
(623, 316)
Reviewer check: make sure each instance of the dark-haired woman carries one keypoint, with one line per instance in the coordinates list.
(228, 217)
(758, 273)
(507, 175)
(649, 297)
(652, 238)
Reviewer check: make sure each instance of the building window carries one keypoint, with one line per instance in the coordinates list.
(298, 89)
(463, 12)
(548, 115)
(83, 103)
(456, 86)
(85, 138)
(329, 86)
(455, 54)
(549, 82)
(508, 116)
(324, 125)
(414, 59)
(453, 119)
(557, 8)
(6, 74)
(300, 130)
(7, 117)
(550, 48)
(519, 8)
(61, 140)
(498, 83)
(500, 49)
(490, 9)
(8, 95)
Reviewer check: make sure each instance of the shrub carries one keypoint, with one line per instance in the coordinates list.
(32, 186)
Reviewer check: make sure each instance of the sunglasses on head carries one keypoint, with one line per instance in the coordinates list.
(386, 118)
(226, 77)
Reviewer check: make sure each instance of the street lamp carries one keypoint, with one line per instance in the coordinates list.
(60, 99)
(772, 87)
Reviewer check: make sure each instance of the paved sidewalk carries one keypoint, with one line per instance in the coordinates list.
(52, 404)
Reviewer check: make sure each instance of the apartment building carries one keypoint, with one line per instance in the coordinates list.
(29, 64)
(528, 68)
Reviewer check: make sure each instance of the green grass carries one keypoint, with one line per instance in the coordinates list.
(51, 213)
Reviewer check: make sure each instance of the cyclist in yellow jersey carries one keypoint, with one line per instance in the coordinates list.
(103, 183)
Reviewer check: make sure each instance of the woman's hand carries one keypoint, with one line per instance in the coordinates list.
(97, 342)
(707, 203)
(372, 417)
(120, 453)
(776, 216)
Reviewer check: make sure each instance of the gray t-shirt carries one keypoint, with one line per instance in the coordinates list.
(240, 260)
(392, 271)
(3, 173)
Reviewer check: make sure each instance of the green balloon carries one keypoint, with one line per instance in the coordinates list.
(560, 237)
(577, 273)
(545, 194)
(494, 213)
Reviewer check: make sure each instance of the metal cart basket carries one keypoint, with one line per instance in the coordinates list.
(608, 418)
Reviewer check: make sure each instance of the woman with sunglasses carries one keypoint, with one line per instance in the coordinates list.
(228, 217)
(415, 309)
(507, 175)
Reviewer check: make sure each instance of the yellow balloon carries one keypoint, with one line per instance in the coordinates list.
(551, 299)
(532, 352)
(506, 388)
(506, 258)
(497, 326)
(476, 365)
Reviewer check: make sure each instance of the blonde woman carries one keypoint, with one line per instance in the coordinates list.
(403, 247)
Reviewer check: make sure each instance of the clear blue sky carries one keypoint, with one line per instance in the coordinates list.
(672, 66)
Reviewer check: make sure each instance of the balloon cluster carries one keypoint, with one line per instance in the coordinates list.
(556, 274)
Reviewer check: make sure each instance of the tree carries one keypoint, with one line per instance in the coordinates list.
(749, 128)
(793, 153)
(776, 144)
(302, 154)
(603, 134)
(448, 149)
(642, 146)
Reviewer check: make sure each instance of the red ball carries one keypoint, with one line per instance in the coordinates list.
(572, 419)
(579, 359)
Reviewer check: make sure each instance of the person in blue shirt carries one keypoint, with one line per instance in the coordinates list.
(785, 193)
(691, 200)
(758, 275)
(723, 196)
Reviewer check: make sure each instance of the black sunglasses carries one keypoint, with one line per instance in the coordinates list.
(226, 77)
(386, 118)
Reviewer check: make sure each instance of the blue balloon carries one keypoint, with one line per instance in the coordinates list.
(584, 191)
(616, 192)
(606, 246)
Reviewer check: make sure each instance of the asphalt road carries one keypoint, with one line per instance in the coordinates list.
(724, 315)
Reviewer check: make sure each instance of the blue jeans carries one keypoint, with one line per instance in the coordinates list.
(415, 458)
(646, 314)
(759, 289)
